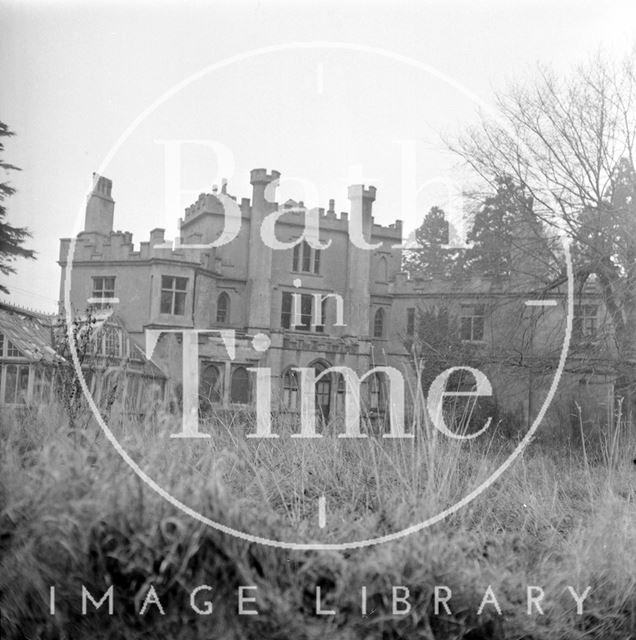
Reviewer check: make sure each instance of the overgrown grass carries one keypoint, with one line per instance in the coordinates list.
(73, 513)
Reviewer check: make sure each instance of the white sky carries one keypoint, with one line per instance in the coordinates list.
(76, 75)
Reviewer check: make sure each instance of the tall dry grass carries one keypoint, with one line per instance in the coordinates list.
(73, 513)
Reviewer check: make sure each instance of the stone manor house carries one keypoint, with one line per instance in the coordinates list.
(248, 287)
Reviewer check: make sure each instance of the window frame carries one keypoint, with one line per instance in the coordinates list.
(287, 312)
(43, 378)
(247, 391)
(18, 391)
(585, 324)
(103, 295)
(305, 259)
(108, 333)
(410, 321)
(217, 397)
(476, 315)
(8, 349)
(174, 292)
(290, 387)
(379, 323)
(225, 310)
(376, 391)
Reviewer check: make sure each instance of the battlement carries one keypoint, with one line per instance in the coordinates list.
(294, 212)
(98, 241)
(358, 191)
(205, 203)
(260, 176)
(118, 246)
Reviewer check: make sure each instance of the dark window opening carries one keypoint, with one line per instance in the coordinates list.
(306, 312)
(209, 387)
(376, 393)
(322, 393)
(296, 258)
(323, 316)
(584, 322)
(410, 322)
(286, 310)
(223, 308)
(306, 259)
(103, 288)
(239, 387)
(306, 309)
(378, 324)
(472, 323)
(290, 390)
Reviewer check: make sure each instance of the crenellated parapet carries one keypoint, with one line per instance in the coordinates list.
(203, 221)
(118, 246)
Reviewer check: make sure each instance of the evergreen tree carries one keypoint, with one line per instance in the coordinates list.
(508, 241)
(11, 238)
(429, 257)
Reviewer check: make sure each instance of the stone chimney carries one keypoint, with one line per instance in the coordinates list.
(100, 208)
(259, 267)
(157, 236)
(358, 297)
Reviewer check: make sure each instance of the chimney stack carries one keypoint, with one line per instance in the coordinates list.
(100, 208)
(259, 266)
(157, 236)
(358, 297)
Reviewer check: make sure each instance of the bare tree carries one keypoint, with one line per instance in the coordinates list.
(568, 141)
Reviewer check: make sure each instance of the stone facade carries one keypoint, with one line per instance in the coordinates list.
(248, 287)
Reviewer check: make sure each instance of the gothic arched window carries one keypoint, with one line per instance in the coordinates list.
(209, 386)
(378, 324)
(223, 308)
(382, 270)
(239, 387)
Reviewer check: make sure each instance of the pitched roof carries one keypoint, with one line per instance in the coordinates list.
(33, 334)
(30, 332)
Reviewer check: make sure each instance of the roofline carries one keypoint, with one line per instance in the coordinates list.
(25, 311)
